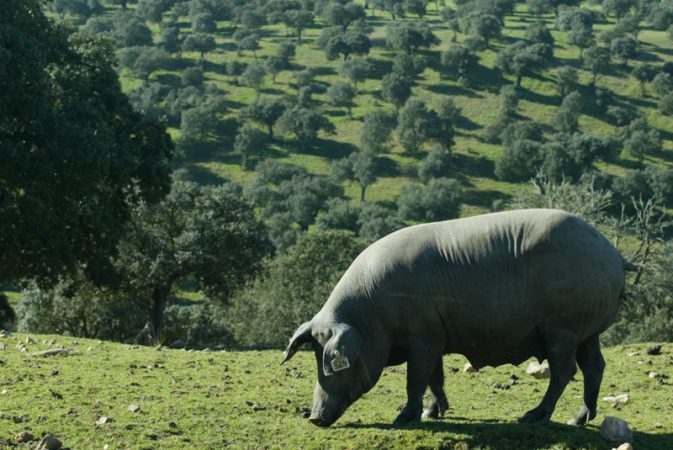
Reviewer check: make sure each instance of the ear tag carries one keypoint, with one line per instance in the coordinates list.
(339, 362)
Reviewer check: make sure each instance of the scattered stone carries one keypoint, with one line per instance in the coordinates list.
(20, 419)
(49, 442)
(454, 369)
(4, 333)
(177, 344)
(618, 400)
(23, 437)
(654, 351)
(74, 343)
(56, 395)
(134, 408)
(54, 352)
(538, 371)
(504, 386)
(614, 429)
(89, 349)
(49, 342)
(30, 341)
(103, 420)
(2, 346)
(4, 392)
(469, 368)
(633, 353)
(625, 446)
(207, 349)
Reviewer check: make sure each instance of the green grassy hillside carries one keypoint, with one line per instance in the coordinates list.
(244, 399)
(474, 161)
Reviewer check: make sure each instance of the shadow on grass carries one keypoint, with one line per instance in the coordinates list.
(475, 167)
(465, 123)
(388, 167)
(483, 198)
(272, 91)
(511, 435)
(484, 78)
(169, 80)
(322, 147)
(203, 176)
(380, 67)
(445, 89)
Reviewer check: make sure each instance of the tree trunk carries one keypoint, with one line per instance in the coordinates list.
(270, 129)
(159, 298)
(518, 81)
(363, 188)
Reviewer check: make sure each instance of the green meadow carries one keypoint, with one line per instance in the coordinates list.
(245, 399)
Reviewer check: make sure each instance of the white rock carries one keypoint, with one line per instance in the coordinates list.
(614, 429)
(2, 346)
(4, 333)
(625, 446)
(617, 400)
(539, 371)
(469, 368)
(4, 392)
(134, 408)
(103, 420)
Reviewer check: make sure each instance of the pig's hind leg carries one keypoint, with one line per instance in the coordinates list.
(591, 362)
(438, 404)
(561, 349)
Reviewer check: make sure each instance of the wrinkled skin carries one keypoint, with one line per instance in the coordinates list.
(497, 288)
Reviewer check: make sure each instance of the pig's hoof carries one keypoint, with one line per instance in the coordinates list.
(436, 409)
(405, 417)
(535, 415)
(582, 417)
(431, 413)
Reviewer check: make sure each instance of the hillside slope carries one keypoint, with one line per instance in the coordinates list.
(474, 158)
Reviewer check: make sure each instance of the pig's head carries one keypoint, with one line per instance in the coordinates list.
(347, 367)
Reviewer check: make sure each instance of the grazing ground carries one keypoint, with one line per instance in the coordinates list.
(244, 399)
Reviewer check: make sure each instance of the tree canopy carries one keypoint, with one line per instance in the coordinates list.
(75, 156)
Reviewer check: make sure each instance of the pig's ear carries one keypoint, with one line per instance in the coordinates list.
(342, 350)
(300, 337)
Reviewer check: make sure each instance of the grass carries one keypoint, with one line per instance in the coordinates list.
(244, 399)
(13, 296)
(479, 103)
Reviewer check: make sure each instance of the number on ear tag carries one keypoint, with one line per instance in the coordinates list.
(339, 362)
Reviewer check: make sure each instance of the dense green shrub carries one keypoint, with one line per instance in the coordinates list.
(294, 288)
(76, 307)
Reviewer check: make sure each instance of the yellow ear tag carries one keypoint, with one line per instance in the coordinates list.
(339, 362)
